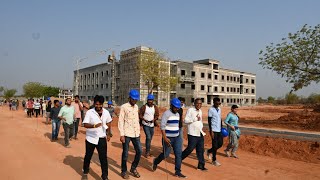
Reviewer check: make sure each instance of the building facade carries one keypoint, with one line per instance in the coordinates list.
(203, 79)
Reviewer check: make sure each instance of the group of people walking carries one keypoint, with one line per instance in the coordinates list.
(97, 121)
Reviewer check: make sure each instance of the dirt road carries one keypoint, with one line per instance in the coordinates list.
(27, 153)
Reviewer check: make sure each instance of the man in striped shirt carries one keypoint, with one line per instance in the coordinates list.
(170, 137)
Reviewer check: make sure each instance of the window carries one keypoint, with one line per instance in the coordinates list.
(202, 87)
(102, 74)
(247, 80)
(193, 87)
(231, 78)
(202, 75)
(234, 79)
(222, 77)
(238, 89)
(183, 86)
(209, 76)
(202, 99)
(252, 81)
(222, 89)
(247, 90)
(216, 77)
(238, 79)
(192, 100)
(227, 78)
(101, 86)
(227, 89)
(252, 91)
(215, 89)
(234, 89)
(227, 100)
(107, 73)
(222, 100)
(183, 72)
(107, 86)
(193, 74)
(97, 86)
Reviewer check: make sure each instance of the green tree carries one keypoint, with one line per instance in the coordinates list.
(1, 89)
(49, 91)
(292, 98)
(9, 93)
(296, 58)
(313, 98)
(154, 71)
(33, 89)
(271, 99)
(260, 100)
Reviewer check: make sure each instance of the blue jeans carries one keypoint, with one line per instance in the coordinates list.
(55, 128)
(149, 131)
(198, 143)
(181, 136)
(176, 145)
(125, 148)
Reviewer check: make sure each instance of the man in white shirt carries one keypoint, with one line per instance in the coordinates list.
(215, 125)
(37, 107)
(195, 134)
(98, 124)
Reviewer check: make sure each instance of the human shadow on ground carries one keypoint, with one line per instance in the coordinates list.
(49, 136)
(76, 163)
(146, 162)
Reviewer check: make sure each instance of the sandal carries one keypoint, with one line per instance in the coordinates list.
(135, 173)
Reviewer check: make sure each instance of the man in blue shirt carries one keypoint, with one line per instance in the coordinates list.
(215, 125)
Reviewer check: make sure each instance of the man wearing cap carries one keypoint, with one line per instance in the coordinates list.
(110, 109)
(195, 134)
(149, 114)
(170, 137)
(129, 128)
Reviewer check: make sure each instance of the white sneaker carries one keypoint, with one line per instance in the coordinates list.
(216, 163)
(227, 153)
(208, 154)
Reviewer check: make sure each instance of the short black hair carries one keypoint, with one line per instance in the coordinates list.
(234, 106)
(55, 101)
(76, 96)
(182, 99)
(197, 99)
(216, 99)
(99, 99)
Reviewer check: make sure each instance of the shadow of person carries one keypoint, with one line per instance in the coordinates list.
(76, 163)
(49, 136)
(112, 164)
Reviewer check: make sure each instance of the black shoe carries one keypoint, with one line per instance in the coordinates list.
(202, 169)
(179, 175)
(135, 173)
(154, 165)
(124, 175)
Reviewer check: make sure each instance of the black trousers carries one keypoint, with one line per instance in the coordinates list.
(37, 112)
(217, 143)
(102, 151)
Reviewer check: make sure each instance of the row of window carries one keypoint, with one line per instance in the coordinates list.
(87, 87)
(230, 100)
(93, 75)
(229, 78)
(229, 89)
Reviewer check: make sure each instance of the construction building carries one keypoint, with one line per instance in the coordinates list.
(203, 79)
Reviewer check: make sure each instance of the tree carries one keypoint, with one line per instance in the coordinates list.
(154, 71)
(9, 93)
(49, 91)
(296, 58)
(1, 89)
(292, 98)
(271, 99)
(33, 89)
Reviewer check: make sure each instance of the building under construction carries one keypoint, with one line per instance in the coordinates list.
(203, 79)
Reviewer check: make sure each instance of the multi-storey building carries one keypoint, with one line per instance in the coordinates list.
(203, 79)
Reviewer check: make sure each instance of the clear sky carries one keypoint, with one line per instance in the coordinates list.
(39, 40)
